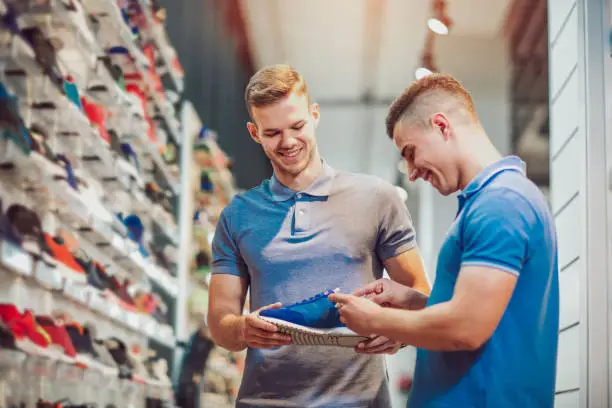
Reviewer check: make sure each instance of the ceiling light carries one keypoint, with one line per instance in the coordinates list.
(437, 26)
(422, 72)
(440, 22)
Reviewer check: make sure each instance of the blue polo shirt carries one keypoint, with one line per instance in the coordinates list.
(503, 222)
(290, 245)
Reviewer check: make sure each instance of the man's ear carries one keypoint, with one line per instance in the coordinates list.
(252, 128)
(316, 114)
(440, 122)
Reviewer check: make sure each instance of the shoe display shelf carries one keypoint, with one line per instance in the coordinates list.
(86, 126)
(209, 189)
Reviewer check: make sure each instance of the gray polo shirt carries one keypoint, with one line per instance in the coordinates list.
(291, 245)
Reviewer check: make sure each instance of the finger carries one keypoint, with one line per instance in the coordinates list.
(264, 335)
(258, 344)
(276, 305)
(375, 342)
(384, 349)
(366, 290)
(340, 298)
(269, 342)
(259, 323)
(382, 299)
(373, 287)
(387, 347)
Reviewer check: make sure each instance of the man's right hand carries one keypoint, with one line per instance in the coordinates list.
(258, 333)
(388, 293)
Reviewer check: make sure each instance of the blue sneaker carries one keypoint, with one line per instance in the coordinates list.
(313, 322)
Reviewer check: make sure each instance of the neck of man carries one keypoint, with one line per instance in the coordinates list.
(478, 153)
(302, 180)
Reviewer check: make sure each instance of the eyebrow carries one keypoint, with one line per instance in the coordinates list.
(299, 122)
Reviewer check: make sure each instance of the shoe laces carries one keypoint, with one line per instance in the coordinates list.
(317, 296)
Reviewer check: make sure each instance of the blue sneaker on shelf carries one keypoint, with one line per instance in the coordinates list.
(313, 322)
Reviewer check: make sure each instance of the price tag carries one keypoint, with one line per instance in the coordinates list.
(17, 259)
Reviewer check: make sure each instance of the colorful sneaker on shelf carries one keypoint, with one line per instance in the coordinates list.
(29, 336)
(86, 353)
(11, 122)
(28, 226)
(59, 337)
(72, 270)
(70, 176)
(136, 232)
(40, 143)
(130, 155)
(72, 92)
(8, 231)
(118, 351)
(7, 338)
(46, 55)
(97, 117)
(313, 322)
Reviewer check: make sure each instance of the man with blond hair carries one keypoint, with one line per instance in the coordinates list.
(307, 229)
(488, 336)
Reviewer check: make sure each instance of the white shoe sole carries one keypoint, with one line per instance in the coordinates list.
(309, 336)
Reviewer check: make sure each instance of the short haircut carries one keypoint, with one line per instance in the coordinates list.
(272, 84)
(426, 96)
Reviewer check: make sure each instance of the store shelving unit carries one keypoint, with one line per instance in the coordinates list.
(85, 35)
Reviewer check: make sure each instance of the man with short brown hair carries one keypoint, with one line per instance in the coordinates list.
(307, 229)
(488, 336)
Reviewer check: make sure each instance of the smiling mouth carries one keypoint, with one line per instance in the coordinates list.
(291, 153)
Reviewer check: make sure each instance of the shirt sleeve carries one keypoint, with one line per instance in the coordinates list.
(226, 255)
(496, 231)
(395, 231)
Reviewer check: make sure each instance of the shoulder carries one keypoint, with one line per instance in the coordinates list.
(244, 201)
(510, 199)
(370, 185)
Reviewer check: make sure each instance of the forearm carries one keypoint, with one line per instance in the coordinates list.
(228, 332)
(433, 328)
(409, 299)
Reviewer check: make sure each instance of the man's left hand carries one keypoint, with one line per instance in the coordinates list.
(378, 345)
(357, 313)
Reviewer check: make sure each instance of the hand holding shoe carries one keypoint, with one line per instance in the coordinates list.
(379, 345)
(258, 333)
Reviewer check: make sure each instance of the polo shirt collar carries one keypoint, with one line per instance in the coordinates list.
(321, 187)
(509, 163)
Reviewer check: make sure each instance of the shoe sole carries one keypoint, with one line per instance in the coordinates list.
(308, 336)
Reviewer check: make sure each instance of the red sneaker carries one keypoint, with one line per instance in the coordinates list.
(58, 333)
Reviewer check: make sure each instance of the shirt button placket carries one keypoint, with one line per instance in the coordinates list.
(301, 215)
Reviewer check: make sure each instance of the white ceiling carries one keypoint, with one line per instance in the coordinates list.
(349, 48)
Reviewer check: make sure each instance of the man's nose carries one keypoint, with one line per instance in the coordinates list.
(287, 140)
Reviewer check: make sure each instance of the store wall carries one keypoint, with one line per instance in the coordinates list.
(216, 77)
(567, 188)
